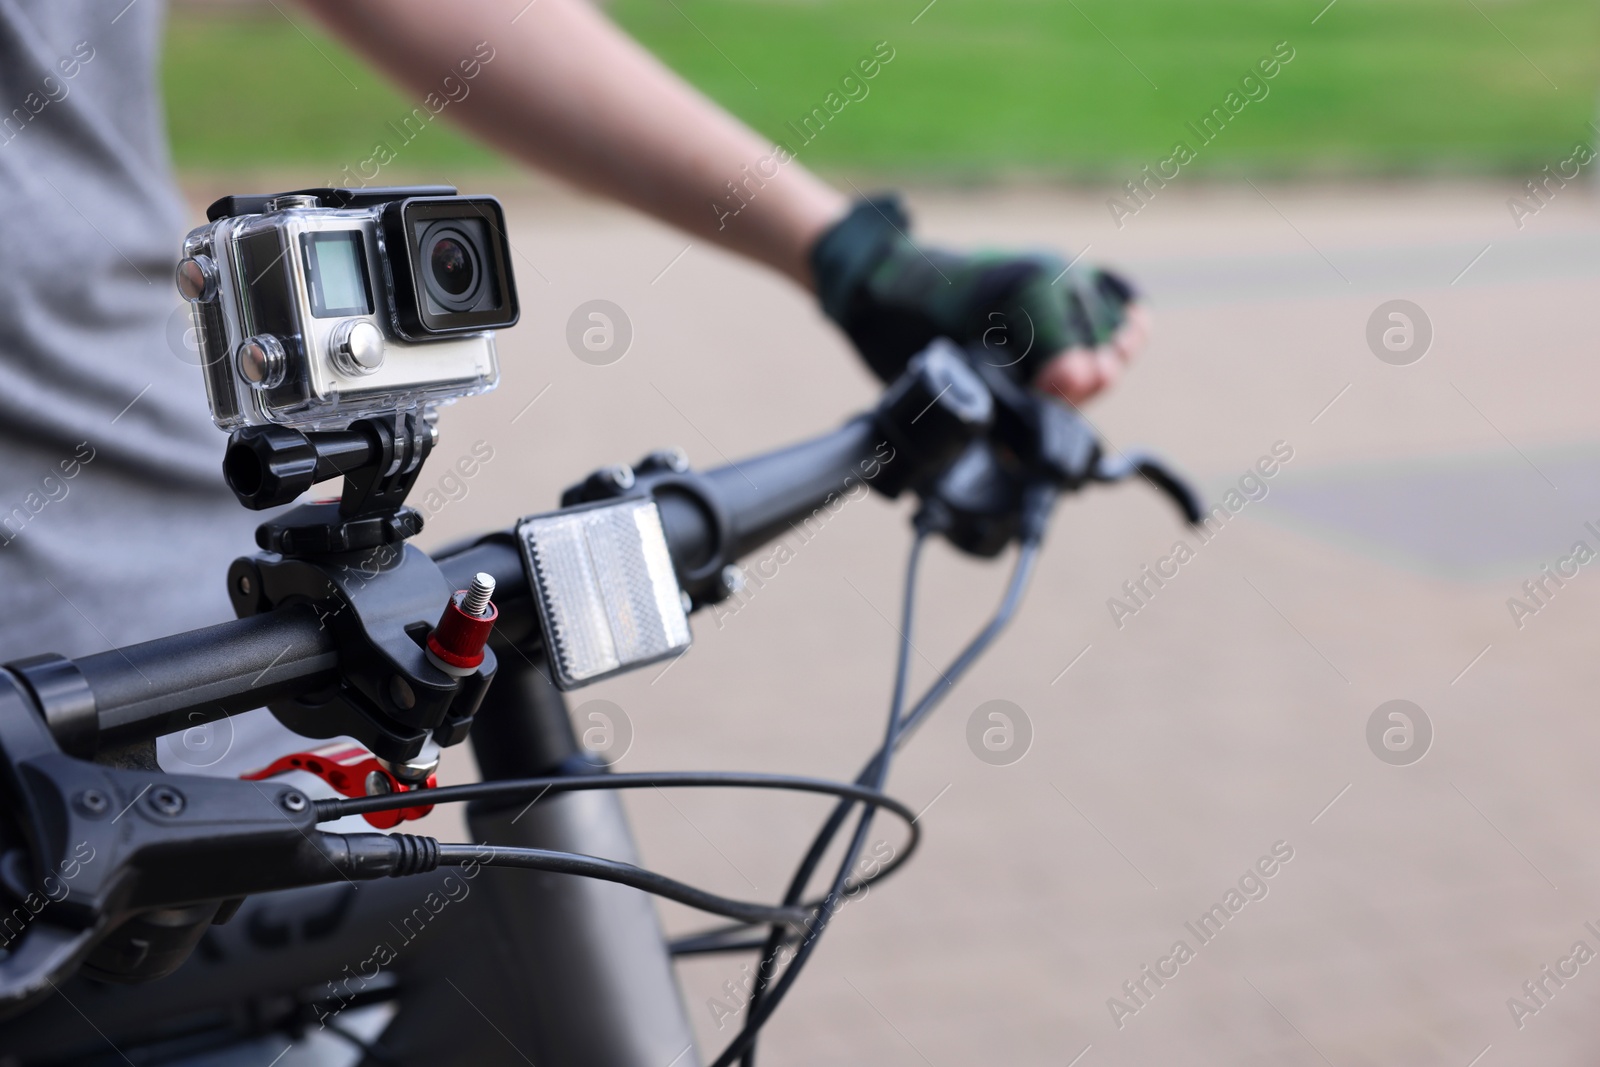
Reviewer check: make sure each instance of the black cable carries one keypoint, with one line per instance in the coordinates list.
(763, 1002)
(697, 946)
(514, 788)
(540, 859)
(783, 916)
(337, 808)
(720, 940)
(732, 937)
(1021, 573)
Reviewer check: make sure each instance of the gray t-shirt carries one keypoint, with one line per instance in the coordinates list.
(115, 525)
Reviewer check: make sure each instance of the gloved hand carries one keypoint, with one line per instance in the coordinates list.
(1064, 332)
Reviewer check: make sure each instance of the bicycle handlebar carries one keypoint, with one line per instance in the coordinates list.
(765, 495)
(710, 519)
(143, 691)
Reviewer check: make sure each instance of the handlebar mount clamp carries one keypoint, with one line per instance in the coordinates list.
(381, 604)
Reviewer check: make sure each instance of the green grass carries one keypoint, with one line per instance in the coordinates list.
(249, 90)
(984, 87)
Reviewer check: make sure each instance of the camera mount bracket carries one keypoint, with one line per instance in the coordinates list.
(379, 458)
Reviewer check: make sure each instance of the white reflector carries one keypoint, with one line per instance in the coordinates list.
(608, 598)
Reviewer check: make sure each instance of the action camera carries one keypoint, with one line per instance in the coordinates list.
(319, 307)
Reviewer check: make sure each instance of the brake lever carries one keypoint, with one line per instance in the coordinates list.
(91, 849)
(1124, 465)
(1003, 487)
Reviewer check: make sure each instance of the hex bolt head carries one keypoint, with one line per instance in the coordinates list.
(295, 802)
(93, 802)
(166, 800)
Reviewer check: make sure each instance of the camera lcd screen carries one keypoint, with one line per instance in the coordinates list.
(337, 270)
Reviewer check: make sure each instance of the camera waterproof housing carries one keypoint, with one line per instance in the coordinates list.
(320, 307)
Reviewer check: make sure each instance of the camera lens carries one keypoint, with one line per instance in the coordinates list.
(452, 266)
(451, 261)
(458, 275)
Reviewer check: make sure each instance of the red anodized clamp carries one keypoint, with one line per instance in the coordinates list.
(350, 770)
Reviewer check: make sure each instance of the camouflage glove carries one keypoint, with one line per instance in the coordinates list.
(893, 296)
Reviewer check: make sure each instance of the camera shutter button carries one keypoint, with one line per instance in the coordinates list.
(357, 347)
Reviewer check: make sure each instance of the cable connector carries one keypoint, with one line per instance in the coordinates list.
(381, 855)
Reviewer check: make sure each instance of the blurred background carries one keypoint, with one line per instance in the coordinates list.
(985, 91)
(1433, 152)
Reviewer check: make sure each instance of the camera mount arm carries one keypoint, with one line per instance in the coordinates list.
(380, 460)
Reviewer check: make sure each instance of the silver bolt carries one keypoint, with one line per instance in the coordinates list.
(245, 585)
(732, 579)
(415, 770)
(377, 783)
(476, 602)
(295, 802)
(93, 801)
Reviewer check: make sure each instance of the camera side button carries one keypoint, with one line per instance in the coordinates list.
(356, 347)
(262, 361)
(197, 278)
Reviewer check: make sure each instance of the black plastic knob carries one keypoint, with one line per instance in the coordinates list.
(269, 465)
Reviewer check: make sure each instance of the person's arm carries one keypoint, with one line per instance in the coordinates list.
(571, 94)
